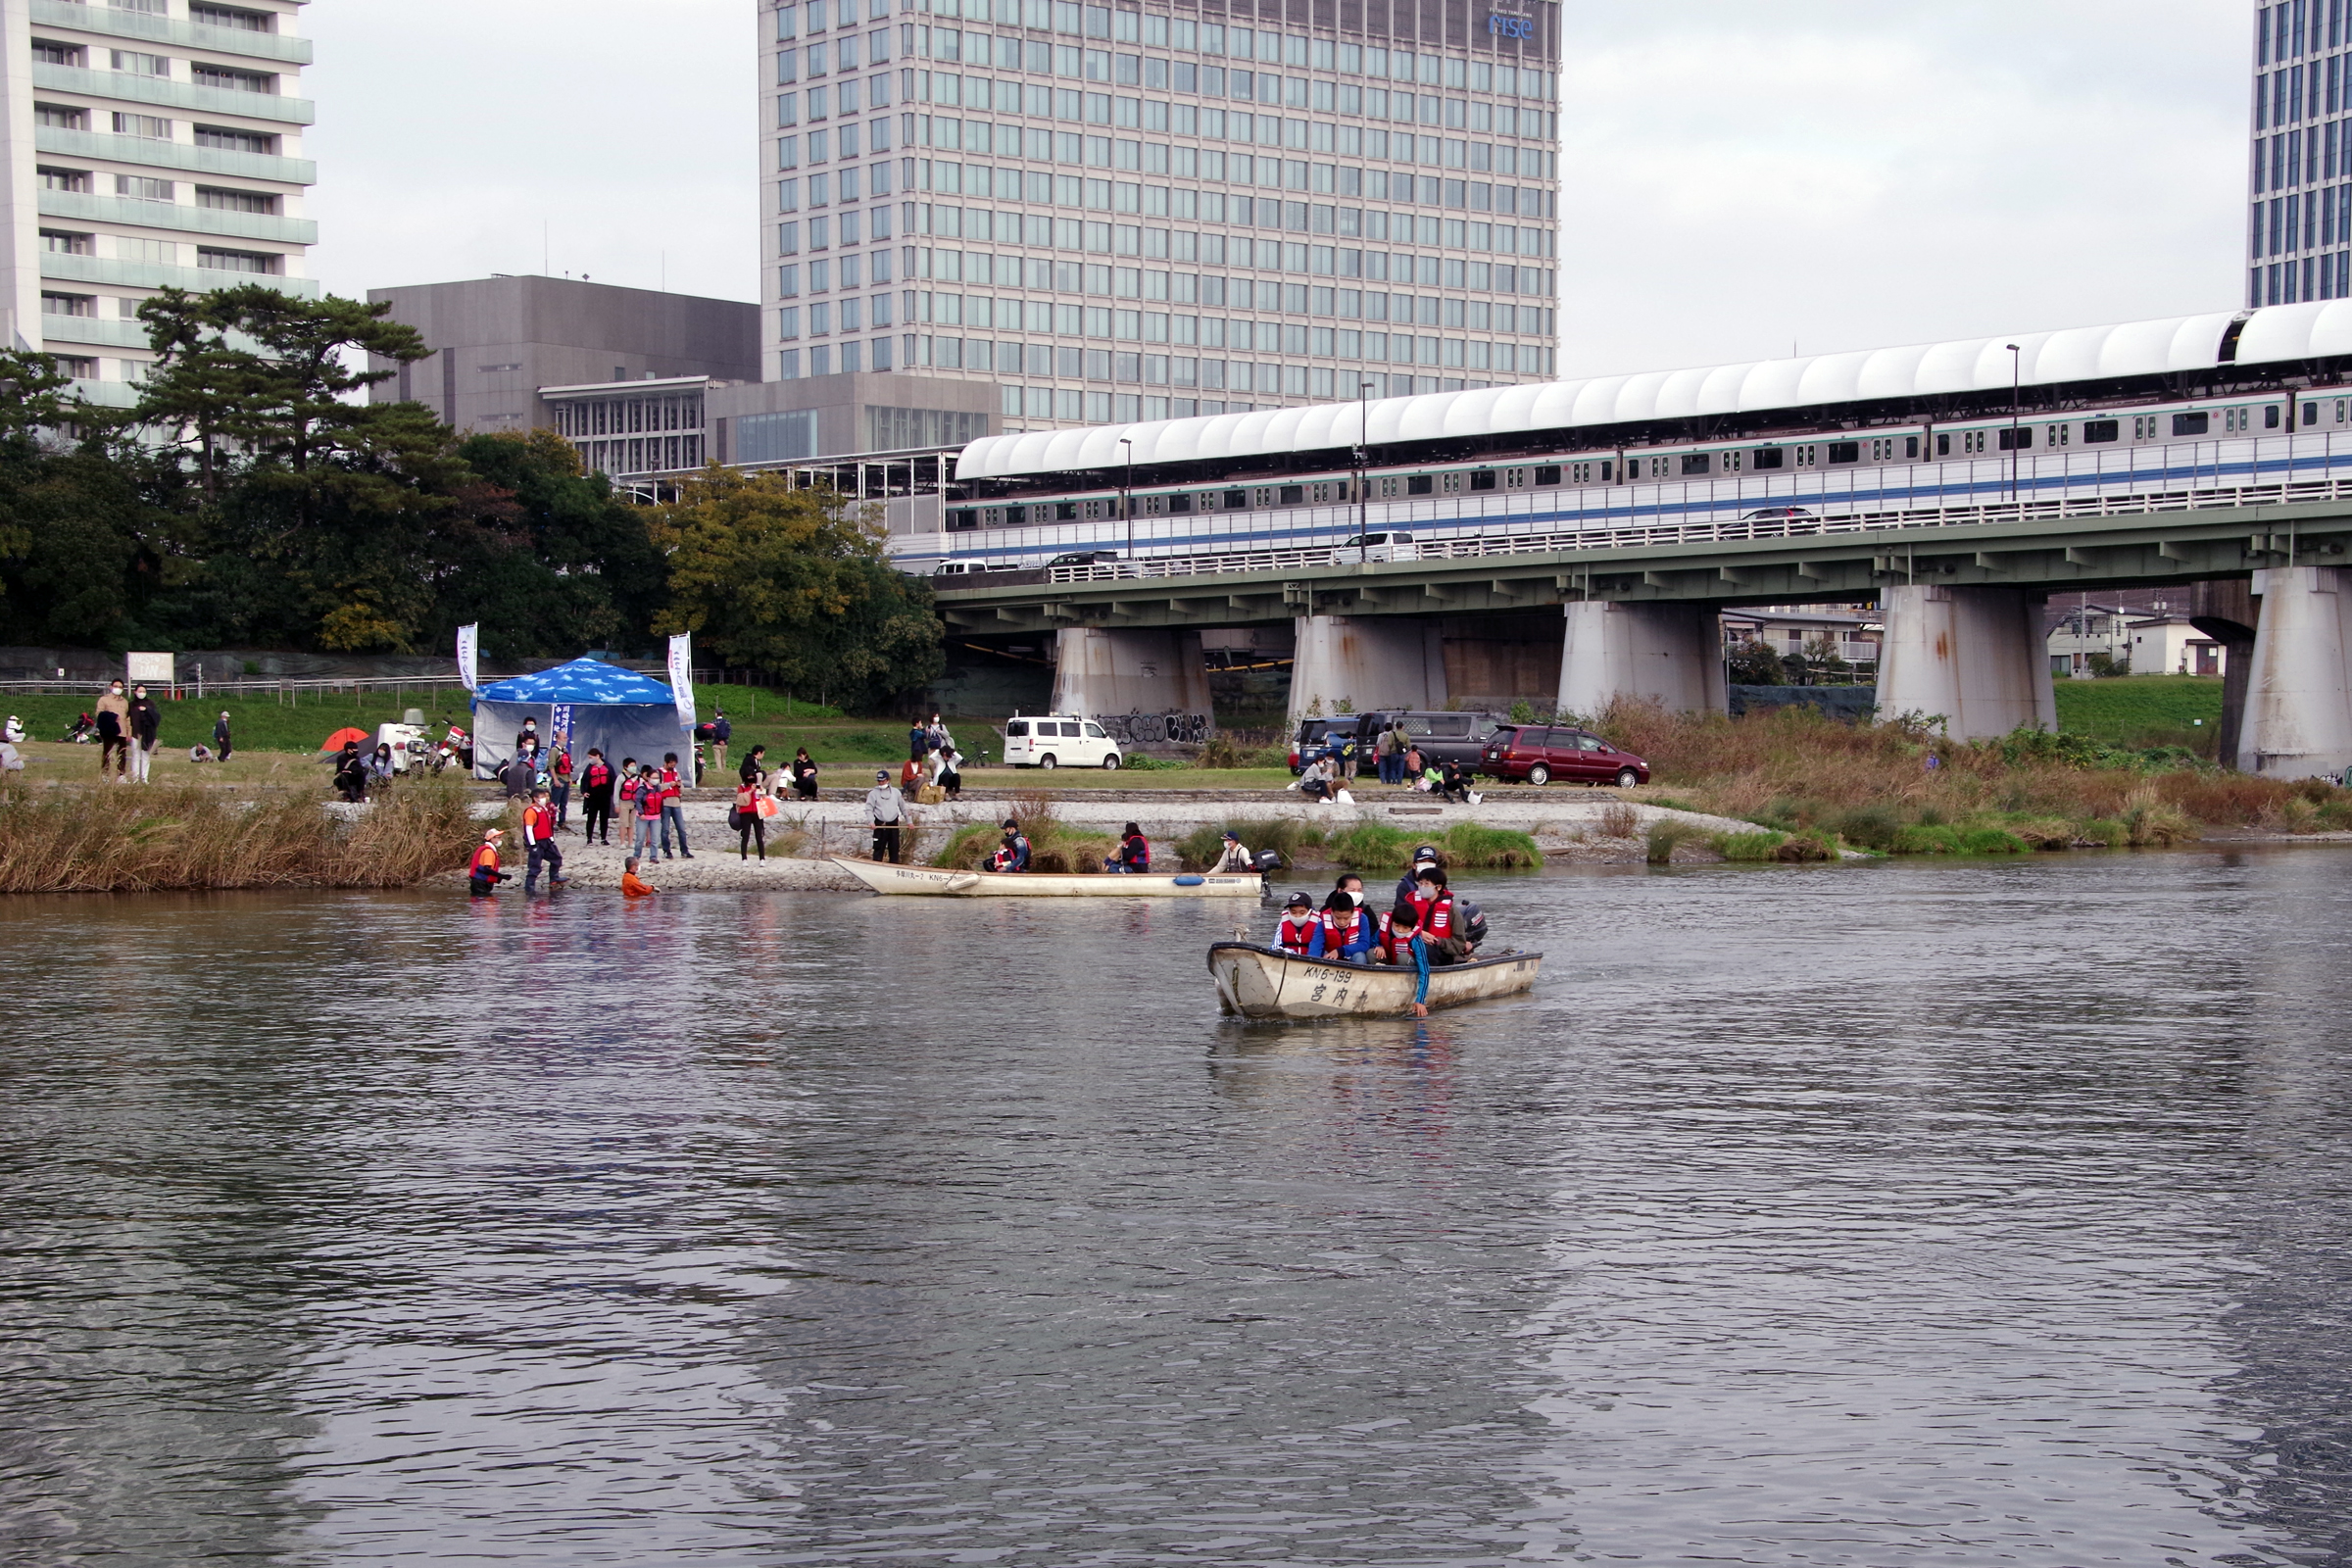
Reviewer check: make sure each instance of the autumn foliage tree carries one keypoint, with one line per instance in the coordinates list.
(793, 582)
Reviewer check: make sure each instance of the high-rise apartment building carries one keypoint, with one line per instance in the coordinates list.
(2299, 240)
(149, 143)
(1162, 210)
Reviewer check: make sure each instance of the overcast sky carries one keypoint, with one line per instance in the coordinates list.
(1739, 177)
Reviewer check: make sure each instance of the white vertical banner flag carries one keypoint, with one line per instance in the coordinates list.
(681, 677)
(469, 640)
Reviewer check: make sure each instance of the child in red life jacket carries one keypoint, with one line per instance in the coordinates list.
(1300, 930)
(1433, 902)
(1345, 931)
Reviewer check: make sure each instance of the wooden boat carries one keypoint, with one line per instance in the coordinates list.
(1268, 983)
(940, 883)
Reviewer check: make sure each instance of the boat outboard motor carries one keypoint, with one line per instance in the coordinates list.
(1474, 922)
(1267, 862)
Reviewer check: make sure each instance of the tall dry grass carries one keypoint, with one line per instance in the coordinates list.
(1797, 771)
(100, 839)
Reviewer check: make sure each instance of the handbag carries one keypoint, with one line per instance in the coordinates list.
(770, 805)
(735, 821)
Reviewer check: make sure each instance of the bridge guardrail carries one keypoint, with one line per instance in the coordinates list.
(1471, 546)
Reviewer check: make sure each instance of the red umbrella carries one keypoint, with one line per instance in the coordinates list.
(342, 737)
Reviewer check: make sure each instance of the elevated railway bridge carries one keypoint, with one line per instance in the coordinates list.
(1591, 560)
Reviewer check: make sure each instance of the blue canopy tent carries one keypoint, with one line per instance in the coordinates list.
(617, 710)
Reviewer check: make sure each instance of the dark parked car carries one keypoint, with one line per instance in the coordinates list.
(1538, 754)
(1084, 557)
(1443, 736)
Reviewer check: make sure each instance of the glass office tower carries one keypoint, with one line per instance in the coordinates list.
(2299, 242)
(1115, 213)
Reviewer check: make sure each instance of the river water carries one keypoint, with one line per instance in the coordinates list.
(1905, 1213)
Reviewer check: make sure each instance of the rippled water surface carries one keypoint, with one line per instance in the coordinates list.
(1895, 1215)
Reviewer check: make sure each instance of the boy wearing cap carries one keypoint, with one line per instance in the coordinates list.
(886, 806)
(1299, 926)
(482, 876)
(1014, 853)
(1408, 886)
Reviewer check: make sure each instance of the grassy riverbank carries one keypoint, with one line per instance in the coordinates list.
(165, 838)
(1905, 790)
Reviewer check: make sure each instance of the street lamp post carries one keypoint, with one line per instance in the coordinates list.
(1363, 462)
(1127, 500)
(2016, 371)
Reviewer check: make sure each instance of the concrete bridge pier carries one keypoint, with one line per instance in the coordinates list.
(1976, 656)
(2299, 719)
(1114, 671)
(1669, 653)
(1366, 661)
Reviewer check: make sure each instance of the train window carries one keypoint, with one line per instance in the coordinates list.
(1806, 455)
(1581, 474)
(1972, 440)
(1237, 499)
(1731, 461)
(1514, 479)
(1262, 496)
(1097, 510)
(1387, 487)
(2339, 411)
(1419, 484)
(963, 518)
(1179, 505)
(1910, 446)
(2096, 431)
(2016, 438)
(2056, 435)
(1154, 506)
(1293, 493)
(1657, 467)
(1695, 463)
(1943, 443)
(2143, 428)
(1882, 450)
(1768, 458)
(2191, 423)
(2233, 420)
(1481, 479)
(2270, 416)
(1065, 511)
(1845, 452)
(2311, 414)
(1453, 484)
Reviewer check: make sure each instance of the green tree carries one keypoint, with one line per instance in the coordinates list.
(1753, 663)
(788, 581)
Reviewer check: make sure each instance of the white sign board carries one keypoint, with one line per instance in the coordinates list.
(152, 669)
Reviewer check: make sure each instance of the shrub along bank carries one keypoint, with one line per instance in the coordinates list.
(1903, 789)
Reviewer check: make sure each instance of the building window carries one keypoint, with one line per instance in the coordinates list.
(205, 15)
(73, 179)
(66, 244)
(236, 141)
(69, 305)
(238, 261)
(46, 53)
(58, 117)
(235, 201)
(76, 366)
(227, 79)
(139, 187)
(147, 128)
(138, 63)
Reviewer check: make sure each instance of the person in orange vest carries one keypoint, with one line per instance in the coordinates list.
(539, 840)
(631, 885)
(1297, 933)
(482, 876)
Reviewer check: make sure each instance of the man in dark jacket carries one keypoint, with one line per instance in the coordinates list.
(220, 742)
(520, 774)
(720, 733)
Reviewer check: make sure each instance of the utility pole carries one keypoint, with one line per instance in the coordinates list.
(1363, 462)
(1127, 501)
(2016, 372)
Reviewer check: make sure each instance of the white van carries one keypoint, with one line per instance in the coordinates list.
(1379, 547)
(1058, 740)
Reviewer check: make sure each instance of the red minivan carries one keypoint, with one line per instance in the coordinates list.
(1539, 754)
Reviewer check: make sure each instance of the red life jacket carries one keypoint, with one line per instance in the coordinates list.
(1336, 935)
(538, 824)
(1293, 936)
(1436, 916)
(485, 861)
(669, 784)
(597, 776)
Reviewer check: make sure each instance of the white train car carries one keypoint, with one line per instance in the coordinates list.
(2219, 410)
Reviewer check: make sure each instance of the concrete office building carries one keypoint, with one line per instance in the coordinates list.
(498, 341)
(1116, 212)
(149, 142)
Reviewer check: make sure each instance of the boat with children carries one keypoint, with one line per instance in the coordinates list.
(1268, 983)
(941, 882)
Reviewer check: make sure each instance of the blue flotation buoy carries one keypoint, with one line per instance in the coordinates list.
(1188, 881)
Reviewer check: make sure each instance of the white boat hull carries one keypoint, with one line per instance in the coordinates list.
(1265, 983)
(937, 882)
